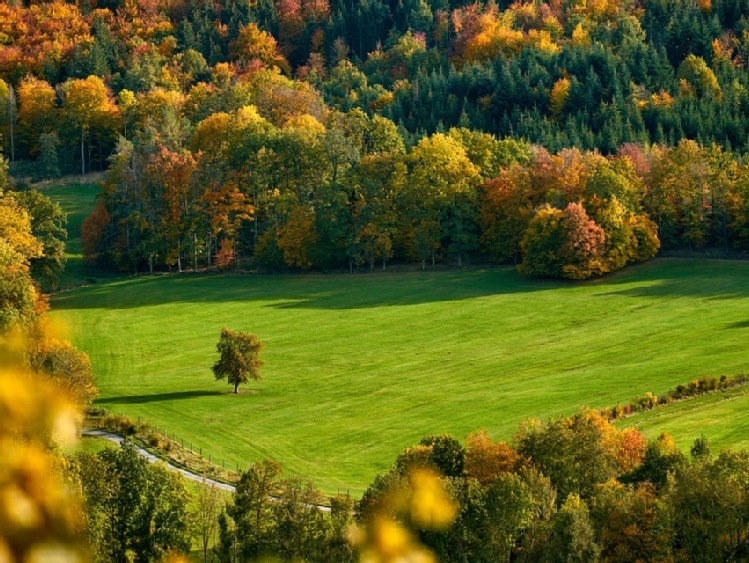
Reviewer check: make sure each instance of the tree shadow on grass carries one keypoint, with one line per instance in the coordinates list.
(660, 278)
(314, 291)
(682, 277)
(158, 397)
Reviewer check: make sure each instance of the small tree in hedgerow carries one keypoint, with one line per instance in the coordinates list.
(239, 357)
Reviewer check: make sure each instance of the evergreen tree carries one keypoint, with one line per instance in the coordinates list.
(48, 163)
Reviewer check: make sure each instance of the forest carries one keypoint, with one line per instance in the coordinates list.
(570, 138)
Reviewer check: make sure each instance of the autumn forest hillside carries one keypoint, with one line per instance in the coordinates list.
(572, 138)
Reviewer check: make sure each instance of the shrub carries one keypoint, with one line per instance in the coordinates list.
(155, 441)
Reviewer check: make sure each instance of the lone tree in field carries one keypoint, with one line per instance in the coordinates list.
(239, 358)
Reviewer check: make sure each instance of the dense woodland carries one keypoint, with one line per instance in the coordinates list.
(572, 138)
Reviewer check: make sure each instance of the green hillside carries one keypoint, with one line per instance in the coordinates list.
(719, 417)
(360, 366)
(76, 201)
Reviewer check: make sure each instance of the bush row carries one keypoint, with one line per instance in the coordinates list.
(694, 388)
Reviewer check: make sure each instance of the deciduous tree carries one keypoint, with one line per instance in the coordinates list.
(486, 460)
(37, 111)
(576, 453)
(252, 509)
(48, 225)
(87, 103)
(239, 357)
(67, 368)
(203, 517)
(136, 509)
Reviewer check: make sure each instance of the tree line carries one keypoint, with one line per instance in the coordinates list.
(299, 134)
(577, 488)
(345, 191)
(262, 168)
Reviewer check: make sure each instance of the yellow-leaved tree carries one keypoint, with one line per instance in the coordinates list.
(88, 104)
(39, 517)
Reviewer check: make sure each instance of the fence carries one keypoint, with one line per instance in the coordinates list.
(177, 449)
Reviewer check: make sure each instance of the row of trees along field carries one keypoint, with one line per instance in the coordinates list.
(569, 489)
(348, 193)
(578, 489)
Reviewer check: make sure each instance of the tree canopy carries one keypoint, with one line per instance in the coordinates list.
(239, 357)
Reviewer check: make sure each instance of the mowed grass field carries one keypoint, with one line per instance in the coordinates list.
(77, 201)
(360, 366)
(720, 417)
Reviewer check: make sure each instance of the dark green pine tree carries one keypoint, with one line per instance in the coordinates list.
(48, 162)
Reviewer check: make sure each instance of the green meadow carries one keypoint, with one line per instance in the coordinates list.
(360, 366)
(719, 417)
(77, 201)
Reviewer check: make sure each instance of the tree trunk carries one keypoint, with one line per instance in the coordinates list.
(194, 252)
(236, 386)
(83, 154)
(179, 254)
(12, 117)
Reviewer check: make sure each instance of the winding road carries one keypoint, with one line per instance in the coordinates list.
(117, 439)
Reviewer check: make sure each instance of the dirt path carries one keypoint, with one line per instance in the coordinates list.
(117, 439)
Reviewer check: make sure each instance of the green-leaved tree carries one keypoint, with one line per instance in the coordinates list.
(239, 357)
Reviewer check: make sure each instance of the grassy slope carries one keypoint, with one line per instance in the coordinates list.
(720, 417)
(360, 366)
(76, 200)
(91, 445)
